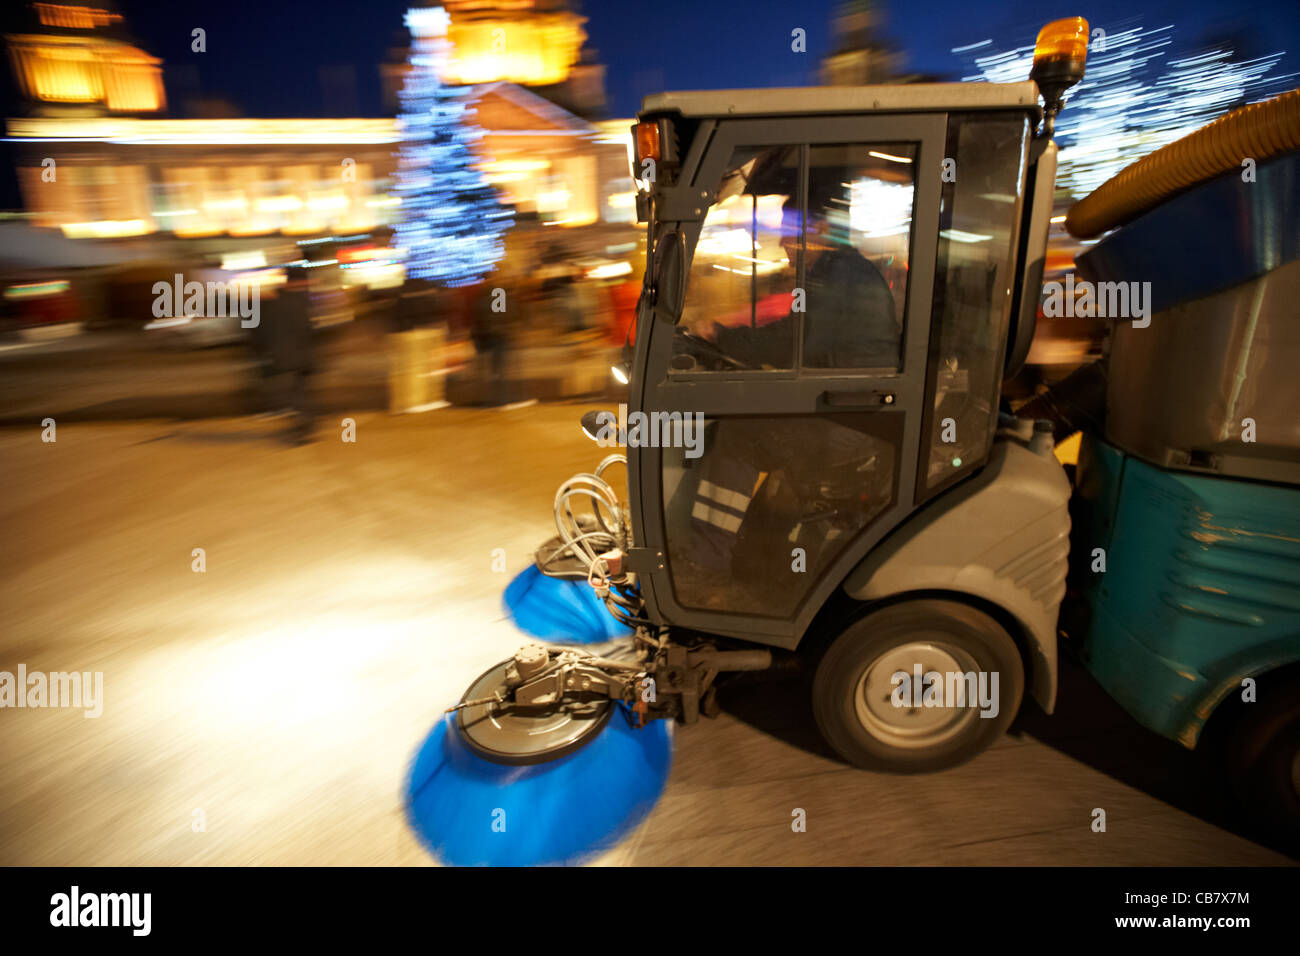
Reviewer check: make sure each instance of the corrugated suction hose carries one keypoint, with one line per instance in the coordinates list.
(1259, 132)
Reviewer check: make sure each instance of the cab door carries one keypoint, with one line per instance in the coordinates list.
(800, 351)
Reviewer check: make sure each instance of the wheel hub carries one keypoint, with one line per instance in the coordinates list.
(913, 725)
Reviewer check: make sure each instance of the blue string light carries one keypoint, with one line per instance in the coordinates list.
(1136, 97)
(452, 222)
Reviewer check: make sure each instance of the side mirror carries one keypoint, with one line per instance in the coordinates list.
(601, 425)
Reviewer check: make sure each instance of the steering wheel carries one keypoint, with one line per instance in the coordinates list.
(720, 359)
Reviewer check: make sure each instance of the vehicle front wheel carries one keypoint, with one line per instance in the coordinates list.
(1264, 758)
(876, 712)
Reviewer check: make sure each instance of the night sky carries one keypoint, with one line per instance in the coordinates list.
(266, 56)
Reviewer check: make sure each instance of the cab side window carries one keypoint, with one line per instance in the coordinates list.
(743, 274)
(972, 291)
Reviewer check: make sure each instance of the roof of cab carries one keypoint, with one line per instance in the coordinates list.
(910, 97)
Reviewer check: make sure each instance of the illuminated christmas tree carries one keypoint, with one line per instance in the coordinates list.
(452, 221)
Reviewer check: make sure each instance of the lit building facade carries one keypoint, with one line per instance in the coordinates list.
(538, 44)
(76, 56)
(97, 159)
(860, 56)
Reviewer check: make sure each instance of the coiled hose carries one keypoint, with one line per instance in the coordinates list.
(587, 536)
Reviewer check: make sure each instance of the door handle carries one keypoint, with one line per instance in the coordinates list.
(865, 399)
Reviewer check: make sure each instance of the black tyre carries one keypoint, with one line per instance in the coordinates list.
(1264, 758)
(865, 712)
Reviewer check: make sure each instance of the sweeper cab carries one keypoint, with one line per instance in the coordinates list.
(816, 463)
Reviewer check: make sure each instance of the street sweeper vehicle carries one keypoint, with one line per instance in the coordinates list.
(815, 462)
(820, 467)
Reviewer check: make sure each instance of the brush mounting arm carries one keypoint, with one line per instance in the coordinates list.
(566, 674)
(677, 682)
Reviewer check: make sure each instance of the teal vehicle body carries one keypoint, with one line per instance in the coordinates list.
(1185, 546)
(1201, 587)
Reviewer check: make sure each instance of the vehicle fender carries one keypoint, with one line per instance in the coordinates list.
(1002, 537)
(1257, 664)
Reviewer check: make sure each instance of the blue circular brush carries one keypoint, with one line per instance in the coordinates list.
(469, 811)
(559, 610)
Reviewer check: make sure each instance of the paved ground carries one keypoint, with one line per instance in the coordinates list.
(348, 597)
(116, 376)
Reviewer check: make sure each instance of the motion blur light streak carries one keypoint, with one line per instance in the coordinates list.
(35, 290)
(892, 159)
(1126, 106)
(878, 209)
(207, 132)
(957, 235)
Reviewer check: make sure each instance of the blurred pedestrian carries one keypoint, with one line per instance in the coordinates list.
(625, 296)
(417, 306)
(561, 294)
(283, 340)
(490, 320)
(592, 304)
(416, 348)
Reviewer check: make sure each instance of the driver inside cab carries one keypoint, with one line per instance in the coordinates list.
(849, 314)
